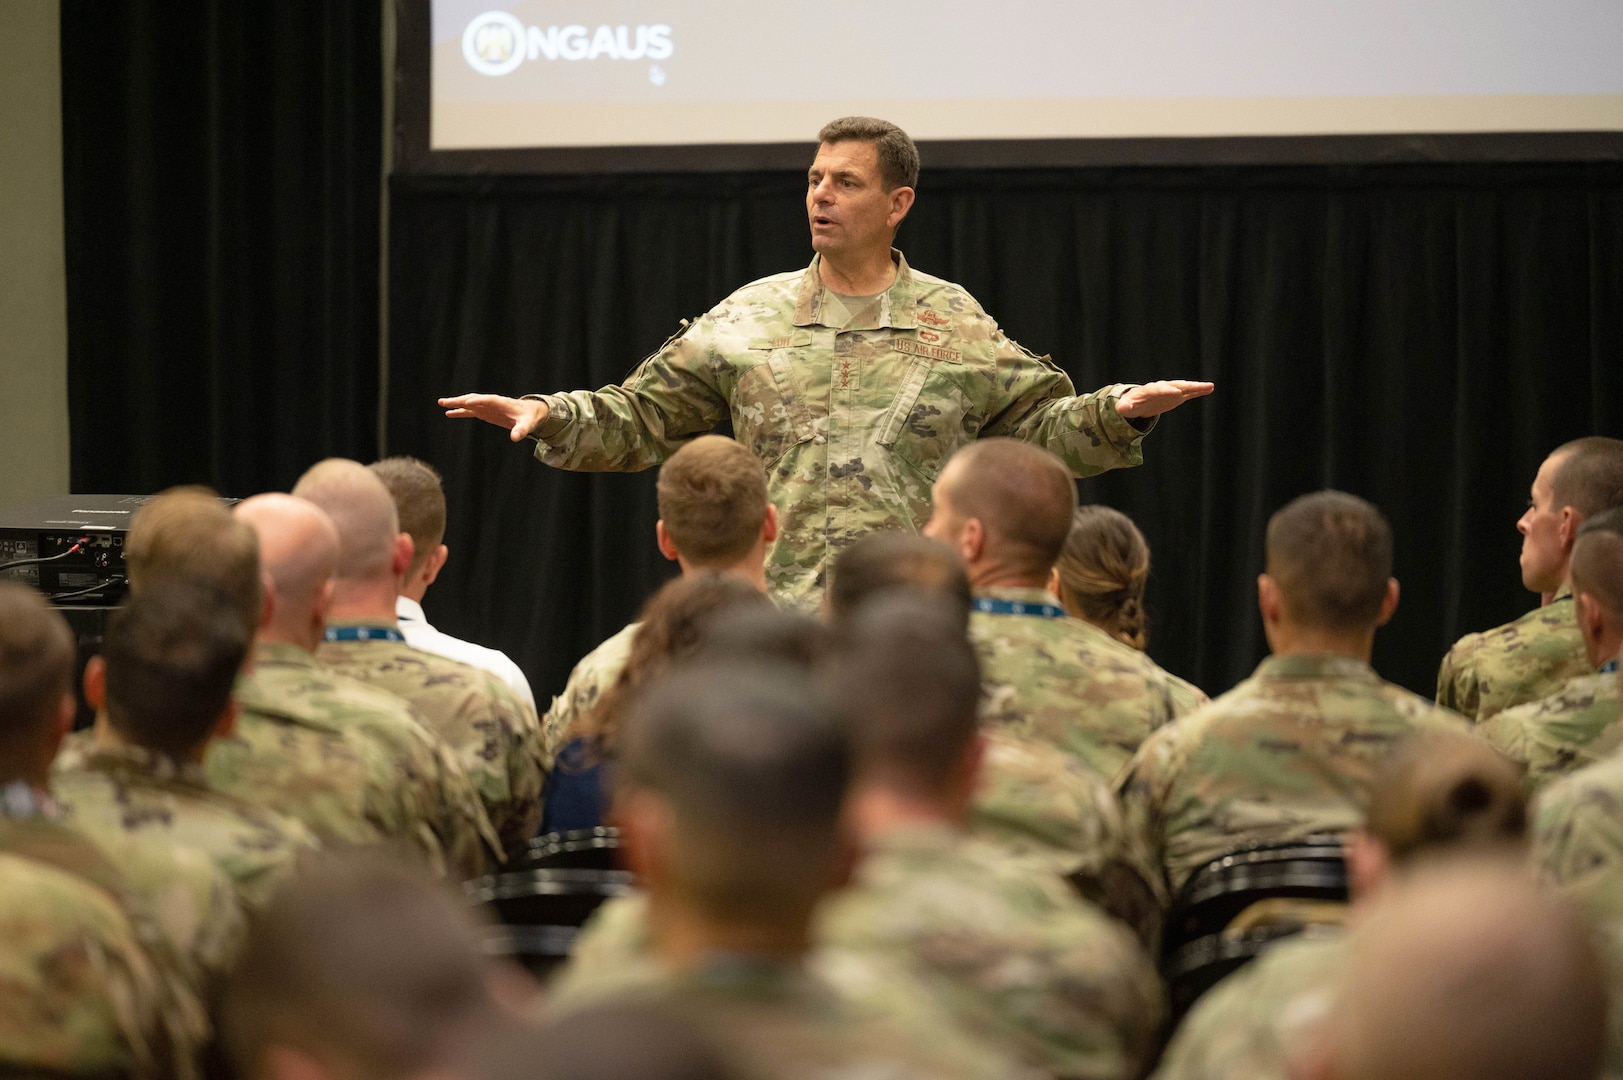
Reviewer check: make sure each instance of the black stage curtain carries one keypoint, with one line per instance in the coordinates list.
(222, 202)
(1419, 335)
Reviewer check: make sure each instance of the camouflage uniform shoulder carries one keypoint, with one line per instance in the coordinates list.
(1571, 728)
(1038, 801)
(612, 955)
(594, 674)
(80, 997)
(1521, 661)
(1250, 1024)
(1578, 831)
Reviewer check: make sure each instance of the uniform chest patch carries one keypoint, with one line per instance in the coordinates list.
(931, 317)
(919, 347)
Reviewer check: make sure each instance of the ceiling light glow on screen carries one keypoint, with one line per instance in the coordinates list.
(588, 73)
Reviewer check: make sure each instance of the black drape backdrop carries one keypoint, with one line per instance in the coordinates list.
(1420, 335)
(221, 166)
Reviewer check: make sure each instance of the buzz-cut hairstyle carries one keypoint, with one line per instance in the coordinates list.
(189, 534)
(1589, 476)
(1331, 554)
(1446, 791)
(1022, 495)
(361, 509)
(37, 655)
(419, 501)
(1597, 560)
(765, 634)
(896, 560)
(898, 155)
(908, 677)
(172, 652)
(713, 499)
(753, 761)
(362, 960)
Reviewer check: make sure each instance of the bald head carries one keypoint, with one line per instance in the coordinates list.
(1466, 970)
(1022, 495)
(363, 512)
(298, 546)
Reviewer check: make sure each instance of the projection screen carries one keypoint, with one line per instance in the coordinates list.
(661, 73)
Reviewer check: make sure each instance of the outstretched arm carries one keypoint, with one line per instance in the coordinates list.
(1153, 399)
(520, 415)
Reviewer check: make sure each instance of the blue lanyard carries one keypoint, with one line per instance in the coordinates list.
(991, 606)
(1610, 667)
(363, 633)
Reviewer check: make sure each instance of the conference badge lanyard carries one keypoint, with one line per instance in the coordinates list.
(1610, 667)
(363, 633)
(989, 605)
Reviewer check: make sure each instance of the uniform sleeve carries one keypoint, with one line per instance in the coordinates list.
(1141, 789)
(1456, 685)
(673, 396)
(1040, 405)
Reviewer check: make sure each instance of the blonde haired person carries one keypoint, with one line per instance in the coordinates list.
(1100, 579)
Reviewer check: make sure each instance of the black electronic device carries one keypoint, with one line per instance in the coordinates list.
(69, 547)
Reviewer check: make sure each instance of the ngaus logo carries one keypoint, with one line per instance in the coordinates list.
(496, 43)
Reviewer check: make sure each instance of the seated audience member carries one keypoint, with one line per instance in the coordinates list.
(672, 628)
(496, 736)
(348, 760)
(1288, 753)
(1011, 953)
(1004, 507)
(162, 692)
(1100, 579)
(1439, 794)
(359, 968)
(713, 516)
(1465, 972)
(609, 1042)
(1034, 799)
(1577, 725)
(1531, 657)
(731, 785)
(419, 499)
(82, 998)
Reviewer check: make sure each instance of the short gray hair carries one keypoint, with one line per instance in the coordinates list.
(898, 157)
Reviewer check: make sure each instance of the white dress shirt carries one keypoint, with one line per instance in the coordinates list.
(420, 634)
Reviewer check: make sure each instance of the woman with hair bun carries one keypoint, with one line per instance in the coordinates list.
(1100, 579)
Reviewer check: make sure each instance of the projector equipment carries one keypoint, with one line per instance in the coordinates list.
(69, 547)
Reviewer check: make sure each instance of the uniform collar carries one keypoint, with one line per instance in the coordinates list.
(375, 623)
(903, 295)
(1020, 594)
(149, 764)
(1315, 666)
(408, 610)
(281, 654)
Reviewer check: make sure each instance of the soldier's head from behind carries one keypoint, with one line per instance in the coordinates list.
(1328, 583)
(419, 500)
(298, 549)
(732, 779)
(189, 534)
(1438, 794)
(1102, 571)
(1577, 481)
(908, 678)
(1465, 970)
(36, 684)
(1597, 584)
(359, 969)
(1004, 506)
(169, 660)
(753, 633)
(714, 513)
(880, 562)
(859, 187)
(373, 554)
(612, 1041)
(674, 627)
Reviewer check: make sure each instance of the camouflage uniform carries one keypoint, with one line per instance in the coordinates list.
(1040, 803)
(80, 998)
(787, 1023)
(852, 421)
(1286, 754)
(1250, 1025)
(496, 736)
(1513, 664)
(1578, 834)
(1573, 727)
(595, 673)
(1186, 696)
(1066, 682)
(1016, 959)
(109, 793)
(349, 761)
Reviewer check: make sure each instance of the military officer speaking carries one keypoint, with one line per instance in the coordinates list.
(853, 381)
